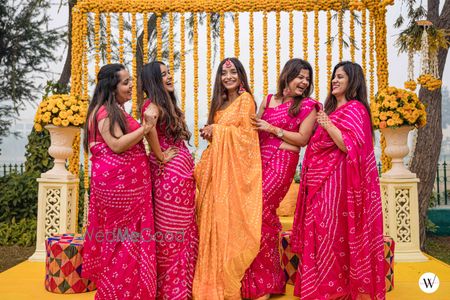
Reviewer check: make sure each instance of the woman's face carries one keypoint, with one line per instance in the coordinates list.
(230, 76)
(299, 84)
(339, 83)
(166, 78)
(124, 87)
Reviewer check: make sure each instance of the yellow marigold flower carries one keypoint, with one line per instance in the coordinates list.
(63, 115)
(56, 121)
(390, 122)
(67, 103)
(376, 121)
(389, 113)
(70, 118)
(74, 108)
(38, 127)
(55, 110)
(65, 123)
(383, 116)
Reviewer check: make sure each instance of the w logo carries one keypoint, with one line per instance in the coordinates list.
(429, 283)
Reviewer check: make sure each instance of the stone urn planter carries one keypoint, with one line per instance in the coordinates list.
(397, 148)
(60, 149)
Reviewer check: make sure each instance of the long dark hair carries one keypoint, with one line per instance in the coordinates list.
(290, 71)
(220, 93)
(171, 115)
(356, 89)
(104, 94)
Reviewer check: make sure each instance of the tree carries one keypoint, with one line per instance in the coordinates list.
(26, 47)
(429, 138)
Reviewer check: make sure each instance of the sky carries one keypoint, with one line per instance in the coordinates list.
(397, 63)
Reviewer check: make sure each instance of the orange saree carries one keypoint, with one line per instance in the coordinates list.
(229, 203)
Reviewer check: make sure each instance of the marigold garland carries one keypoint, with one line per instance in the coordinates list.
(134, 66)
(329, 50)
(159, 37)
(183, 62)
(108, 38)
(305, 35)
(86, 187)
(237, 49)
(222, 35)
(316, 52)
(265, 58)
(371, 57)
(352, 35)
(97, 35)
(364, 41)
(85, 64)
(291, 34)
(171, 44)
(195, 35)
(251, 34)
(278, 44)
(341, 33)
(208, 59)
(145, 37)
(121, 42)
(429, 82)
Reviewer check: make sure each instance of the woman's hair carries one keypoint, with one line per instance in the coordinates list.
(104, 95)
(290, 71)
(220, 93)
(356, 89)
(170, 114)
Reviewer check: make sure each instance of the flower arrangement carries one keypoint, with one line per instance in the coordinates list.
(395, 107)
(429, 82)
(60, 110)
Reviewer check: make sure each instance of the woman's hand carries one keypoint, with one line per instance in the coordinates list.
(323, 120)
(151, 115)
(169, 154)
(147, 126)
(263, 125)
(206, 132)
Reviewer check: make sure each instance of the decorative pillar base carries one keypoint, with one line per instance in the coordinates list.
(56, 210)
(401, 217)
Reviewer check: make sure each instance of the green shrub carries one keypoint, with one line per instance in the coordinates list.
(22, 233)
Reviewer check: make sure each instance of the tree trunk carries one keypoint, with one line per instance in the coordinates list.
(64, 78)
(428, 147)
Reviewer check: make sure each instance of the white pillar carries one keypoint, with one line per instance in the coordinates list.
(56, 210)
(401, 217)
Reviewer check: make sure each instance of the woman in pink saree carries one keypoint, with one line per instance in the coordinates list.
(285, 122)
(172, 168)
(119, 249)
(338, 221)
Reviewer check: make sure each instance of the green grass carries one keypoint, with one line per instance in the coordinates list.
(439, 247)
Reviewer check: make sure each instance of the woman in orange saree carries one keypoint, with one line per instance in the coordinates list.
(229, 199)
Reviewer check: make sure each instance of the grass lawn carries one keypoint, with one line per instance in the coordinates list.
(439, 247)
(12, 255)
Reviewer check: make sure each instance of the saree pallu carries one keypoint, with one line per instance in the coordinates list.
(119, 253)
(229, 203)
(265, 275)
(338, 221)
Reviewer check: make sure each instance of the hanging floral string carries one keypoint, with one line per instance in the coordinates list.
(291, 34)
(237, 49)
(145, 37)
(183, 62)
(278, 44)
(305, 35)
(341, 34)
(251, 50)
(159, 37)
(171, 44)
(222, 36)
(97, 35)
(134, 66)
(108, 38)
(265, 58)
(195, 35)
(316, 52)
(352, 35)
(329, 49)
(121, 42)
(364, 41)
(208, 58)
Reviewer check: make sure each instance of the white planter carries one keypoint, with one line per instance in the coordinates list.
(397, 148)
(60, 149)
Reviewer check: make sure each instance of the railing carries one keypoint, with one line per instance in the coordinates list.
(440, 184)
(6, 169)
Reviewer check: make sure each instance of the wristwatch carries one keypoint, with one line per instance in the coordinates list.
(280, 133)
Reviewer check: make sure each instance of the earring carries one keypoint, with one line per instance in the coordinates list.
(241, 89)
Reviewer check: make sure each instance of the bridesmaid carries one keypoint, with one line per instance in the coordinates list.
(338, 223)
(119, 250)
(173, 183)
(229, 199)
(285, 122)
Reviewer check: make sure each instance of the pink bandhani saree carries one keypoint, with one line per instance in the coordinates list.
(338, 221)
(119, 250)
(175, 225)
(265, 275)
